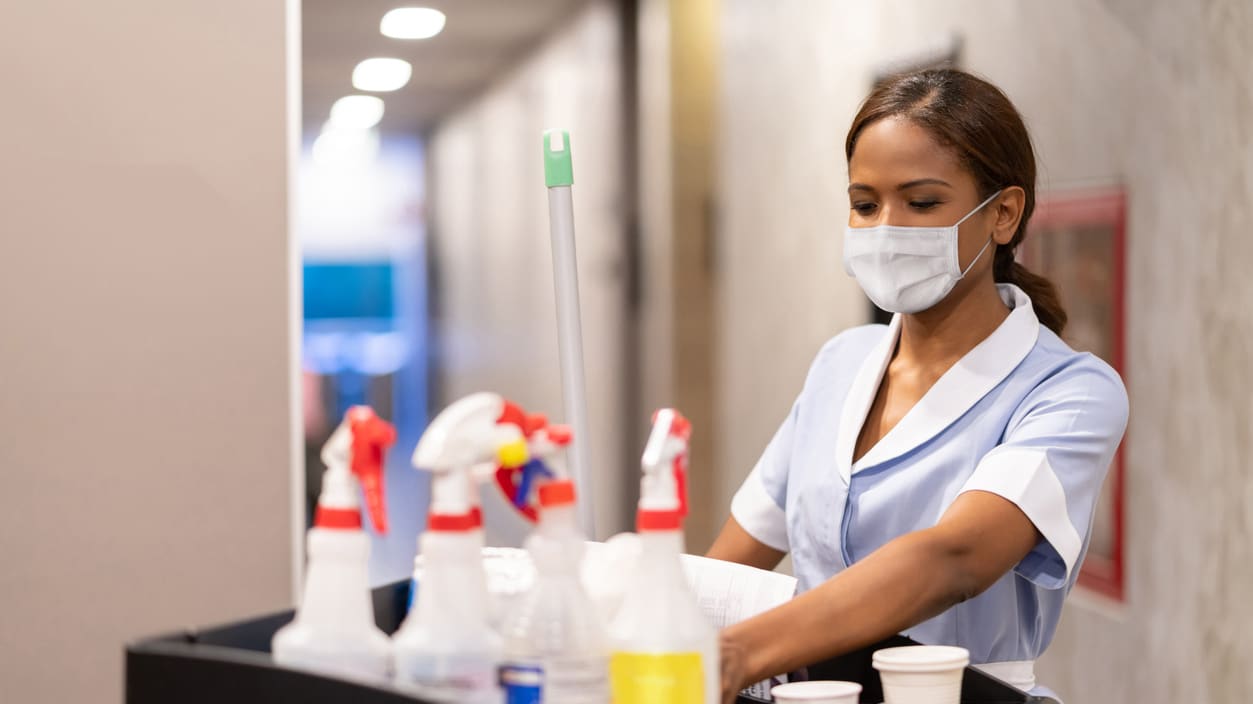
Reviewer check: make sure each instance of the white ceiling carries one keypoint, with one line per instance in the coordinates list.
(482, 39)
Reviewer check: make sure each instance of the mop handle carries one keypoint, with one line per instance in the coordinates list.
(559, 177)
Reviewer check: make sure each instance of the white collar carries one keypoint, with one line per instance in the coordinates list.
(954, 393)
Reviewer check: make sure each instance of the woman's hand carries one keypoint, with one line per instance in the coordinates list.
(734, 666)
(911, 579)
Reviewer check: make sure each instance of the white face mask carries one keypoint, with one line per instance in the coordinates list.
(907, 269)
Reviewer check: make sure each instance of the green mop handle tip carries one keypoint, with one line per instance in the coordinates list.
(558, 169)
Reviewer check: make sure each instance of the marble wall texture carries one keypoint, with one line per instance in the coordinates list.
(1152, 94)
(495, 318)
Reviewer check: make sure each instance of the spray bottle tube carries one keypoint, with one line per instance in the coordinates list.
(663, 648)
(334, 630)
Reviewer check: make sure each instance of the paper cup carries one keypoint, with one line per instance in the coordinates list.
(921, 674)
(817, 692)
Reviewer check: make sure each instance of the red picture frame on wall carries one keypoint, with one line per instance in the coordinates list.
(1077, 239)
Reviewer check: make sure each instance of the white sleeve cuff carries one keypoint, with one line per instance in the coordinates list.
(1025, 478)
(758, 514)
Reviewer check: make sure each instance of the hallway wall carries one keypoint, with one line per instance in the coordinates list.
(146, 359)
(1153, 94)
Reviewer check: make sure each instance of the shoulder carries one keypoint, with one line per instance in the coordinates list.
(1061, 374)
(851, 345)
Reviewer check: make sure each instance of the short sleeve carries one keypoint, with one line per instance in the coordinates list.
(759, 503)
(1053, 461)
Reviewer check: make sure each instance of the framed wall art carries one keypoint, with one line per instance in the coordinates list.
(1077, 239)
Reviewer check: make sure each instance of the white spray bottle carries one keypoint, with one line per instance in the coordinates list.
(556, 650)
(663, 648)
(446, 650)
(334, 630)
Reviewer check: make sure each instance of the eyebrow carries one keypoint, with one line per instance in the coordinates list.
(923, 182)
(904, 186)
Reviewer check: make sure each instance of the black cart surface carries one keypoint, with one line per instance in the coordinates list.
(231, 663)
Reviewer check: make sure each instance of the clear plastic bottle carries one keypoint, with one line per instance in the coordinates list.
(555, 644)
(333, 631)
(446, 650)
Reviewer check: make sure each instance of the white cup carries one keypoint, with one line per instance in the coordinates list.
(817, 692)
(921, 674)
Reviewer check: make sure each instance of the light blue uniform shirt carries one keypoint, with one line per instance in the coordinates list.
(1022, 415)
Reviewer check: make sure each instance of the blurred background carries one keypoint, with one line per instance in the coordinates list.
(223, 223)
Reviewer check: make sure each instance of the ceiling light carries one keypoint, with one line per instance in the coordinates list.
(381, 75)
(338, 147)
(412, 23)
(356, 112)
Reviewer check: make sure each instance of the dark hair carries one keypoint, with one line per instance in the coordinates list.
(977, 120)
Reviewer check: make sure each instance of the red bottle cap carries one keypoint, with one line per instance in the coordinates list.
(560, 435)
(337, 518)
(556, 493)
(450, 522)
(646, 520)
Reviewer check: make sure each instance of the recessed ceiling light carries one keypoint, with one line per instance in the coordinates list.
(343, 147)
(381, 75)
(356, 112)
(412, 23)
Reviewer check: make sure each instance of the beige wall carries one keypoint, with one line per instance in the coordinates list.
(694, 250)
(144, 361)
(656, 204)
(1157, 95)
(496, 318)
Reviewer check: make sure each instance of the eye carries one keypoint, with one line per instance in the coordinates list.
(923, 204)
(863, 207)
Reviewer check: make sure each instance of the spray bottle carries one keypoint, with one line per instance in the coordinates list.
(555, 642)
(446, 649)
(334, 630)
(663, 648)
(511, 462)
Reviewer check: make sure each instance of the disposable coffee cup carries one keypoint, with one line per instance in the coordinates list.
(816, 692)
(921, 674)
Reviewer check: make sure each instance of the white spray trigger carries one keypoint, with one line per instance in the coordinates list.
(338, 448)
(658, 440)
(662, 486)
(462, 435)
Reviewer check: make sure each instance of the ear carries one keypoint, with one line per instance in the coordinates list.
(1007, 213)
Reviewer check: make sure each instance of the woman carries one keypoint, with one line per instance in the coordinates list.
(936, 477)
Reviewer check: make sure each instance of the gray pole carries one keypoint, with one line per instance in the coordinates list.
(559, 177)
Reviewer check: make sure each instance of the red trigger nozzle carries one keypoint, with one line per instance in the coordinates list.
(371, 436)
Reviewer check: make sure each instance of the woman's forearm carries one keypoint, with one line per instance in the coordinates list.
(734, 544)
(903, 583)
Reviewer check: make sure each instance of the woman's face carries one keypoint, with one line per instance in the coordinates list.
(900, 175)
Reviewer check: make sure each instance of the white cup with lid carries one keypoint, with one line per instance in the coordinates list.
(921, 674)
(816, 692)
